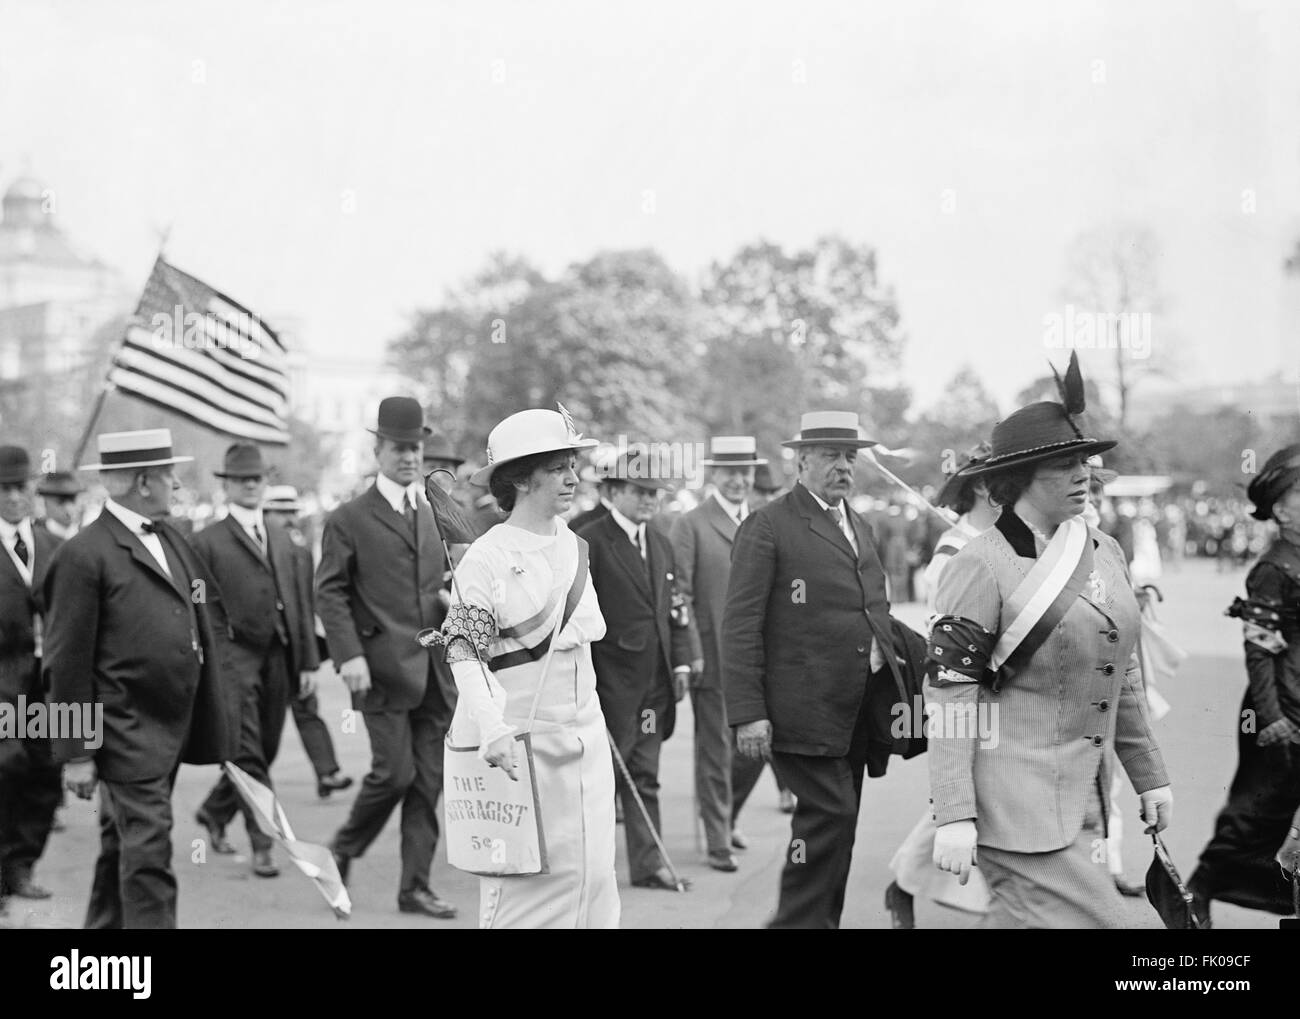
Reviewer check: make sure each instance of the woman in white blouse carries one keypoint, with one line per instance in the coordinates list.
(508, 596)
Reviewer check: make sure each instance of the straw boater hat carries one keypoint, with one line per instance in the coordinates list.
(243, 460)
(526, 433)
(60, 483)
(120, 451)
(1280, 472)
(733, 451)
(1043, 431)
(829, 428)
(281, 499)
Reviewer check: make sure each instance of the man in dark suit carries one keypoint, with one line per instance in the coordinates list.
(645, 661)
(136, 628)
(377, 586)
(802, 639)
(280, 510)
(702, 542)
(29, 778)
(60, 494)
(274, 643)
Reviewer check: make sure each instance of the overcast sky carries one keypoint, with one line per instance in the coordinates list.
(345, 162)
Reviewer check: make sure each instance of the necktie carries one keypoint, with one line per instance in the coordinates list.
(408, 512)
(260, 537)
(20, 550)
(148, 527)
(838, 516)
(641, 549)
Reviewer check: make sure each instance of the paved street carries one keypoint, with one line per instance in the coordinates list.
(1197, 737)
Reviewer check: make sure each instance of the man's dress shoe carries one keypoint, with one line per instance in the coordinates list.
(327, 784)
(262, 865)
(426, 901)
(216, 834)
(723, 860)
(342, 863)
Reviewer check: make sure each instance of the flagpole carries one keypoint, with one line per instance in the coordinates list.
(948, 520)
(107, 387)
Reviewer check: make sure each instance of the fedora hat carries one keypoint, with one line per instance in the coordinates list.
(526, 433)
(1279, 473)
(764, 481)
(438, 448)
(243, 460)
(60, 483)
(733, 451)
(1043, 430)
(950, 494)
(637, 467)
(282, 499)
(15, 466)
(829, 428)
(401, 419)
(119, 451)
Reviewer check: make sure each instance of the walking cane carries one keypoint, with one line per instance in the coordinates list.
(663, 853)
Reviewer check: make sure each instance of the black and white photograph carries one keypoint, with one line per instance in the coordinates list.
(681, 466)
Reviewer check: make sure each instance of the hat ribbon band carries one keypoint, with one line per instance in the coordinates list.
(127, 456)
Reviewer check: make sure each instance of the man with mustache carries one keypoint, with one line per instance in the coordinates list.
(802, 637)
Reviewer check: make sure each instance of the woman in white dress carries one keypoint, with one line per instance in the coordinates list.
(506, 601)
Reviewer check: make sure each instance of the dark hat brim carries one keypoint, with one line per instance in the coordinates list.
(994, 464)
(440, 458)
(237, 475)
(408, 436)
(796, 442)
(951, 491)
(732, 463)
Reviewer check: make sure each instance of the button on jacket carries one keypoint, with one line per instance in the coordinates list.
(1053, 721)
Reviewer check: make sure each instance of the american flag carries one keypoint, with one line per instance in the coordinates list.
(194, 351)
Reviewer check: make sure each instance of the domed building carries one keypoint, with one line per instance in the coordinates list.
(55, 303)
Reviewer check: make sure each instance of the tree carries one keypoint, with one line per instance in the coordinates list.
(802, 331)
(1111, 278)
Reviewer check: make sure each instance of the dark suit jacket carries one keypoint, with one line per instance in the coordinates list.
(254, 588)
(376, 588)
(118, 634)
(588, 517)
(641, 646)
(702, 541)
(18, 605)
(801, 614)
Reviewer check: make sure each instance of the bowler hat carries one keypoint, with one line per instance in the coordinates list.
(526, 433)
(829, 428)
(15, 465)
(1279, 473)
(243, 460)
(764, 482)
(637, 467)
(401, 419)
(59, 483)
(120, 451)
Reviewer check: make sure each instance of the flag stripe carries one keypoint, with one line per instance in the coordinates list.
(232, 377)
(203, 376)
(169, 398)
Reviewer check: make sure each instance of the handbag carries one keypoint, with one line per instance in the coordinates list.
(493, 822)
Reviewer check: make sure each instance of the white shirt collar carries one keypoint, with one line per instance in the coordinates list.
(395, 494)
(822, 502)
(59, 530)
(24, 527)
(735, 510)
(134, 521)
(632, 530)
(247, 518)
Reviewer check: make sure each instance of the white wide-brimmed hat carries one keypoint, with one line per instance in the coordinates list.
(829, 428)
(529, 432)
(120, 451)
(733, 451)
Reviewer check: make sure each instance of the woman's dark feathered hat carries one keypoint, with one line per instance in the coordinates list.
(957, 481)
(1042, 430)
(1280, 472)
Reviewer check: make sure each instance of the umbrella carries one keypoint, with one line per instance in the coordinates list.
(315, 861)
(1168, 894)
